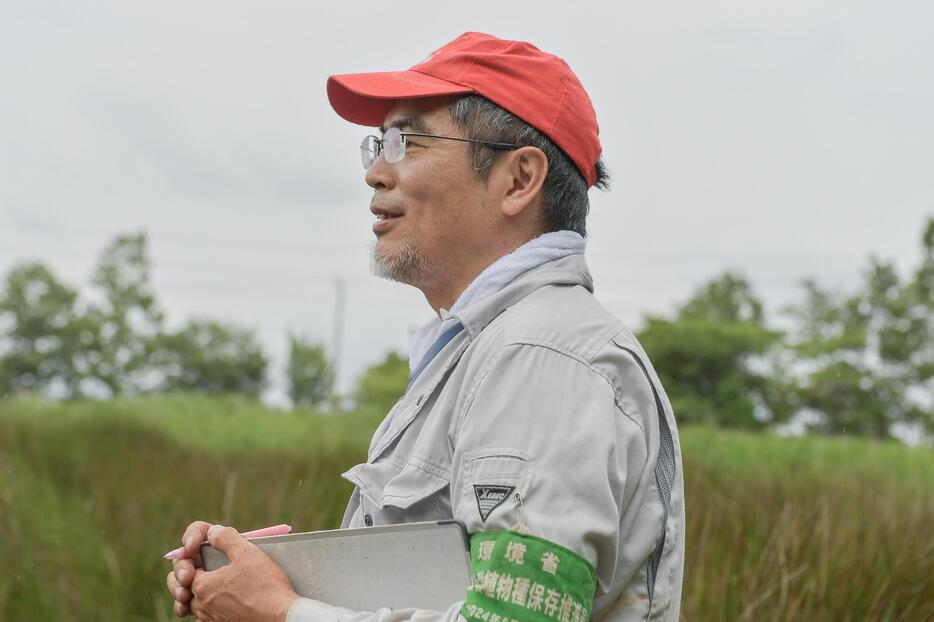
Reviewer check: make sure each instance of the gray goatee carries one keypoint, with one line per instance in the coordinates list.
(406, 265)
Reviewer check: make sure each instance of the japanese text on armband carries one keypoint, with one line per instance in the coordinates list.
(518, 577)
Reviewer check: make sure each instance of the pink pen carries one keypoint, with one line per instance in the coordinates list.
(275, 530)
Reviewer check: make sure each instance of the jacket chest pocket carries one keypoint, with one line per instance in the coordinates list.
(391, 494)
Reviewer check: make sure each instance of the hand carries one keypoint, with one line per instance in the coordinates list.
(250, 587)
(183, 570)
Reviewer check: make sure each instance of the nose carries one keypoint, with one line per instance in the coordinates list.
(380, 175)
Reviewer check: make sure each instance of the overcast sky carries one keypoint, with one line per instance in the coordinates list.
(782, 139)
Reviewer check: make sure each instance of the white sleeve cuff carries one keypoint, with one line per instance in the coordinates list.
(308, 610)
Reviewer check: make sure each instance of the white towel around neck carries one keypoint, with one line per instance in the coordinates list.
(546, 247)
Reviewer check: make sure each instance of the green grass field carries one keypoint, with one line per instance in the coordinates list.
(91, 495)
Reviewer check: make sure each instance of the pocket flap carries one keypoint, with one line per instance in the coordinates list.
(489, 465)
(385, 483)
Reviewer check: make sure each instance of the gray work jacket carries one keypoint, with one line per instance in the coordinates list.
(546, 392)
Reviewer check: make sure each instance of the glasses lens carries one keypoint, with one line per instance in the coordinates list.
(369, 151)
(393, 145)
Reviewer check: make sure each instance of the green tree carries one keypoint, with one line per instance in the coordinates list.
(209, 357)
(728, 299)
(127, 320)
(311, 376)
(921, 311)
(708, 358)
(41, 332)
(383, 384)
(869, 356)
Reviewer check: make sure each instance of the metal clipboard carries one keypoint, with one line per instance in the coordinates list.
(416, 565)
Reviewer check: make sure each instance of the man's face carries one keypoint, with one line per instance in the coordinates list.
(431, 207)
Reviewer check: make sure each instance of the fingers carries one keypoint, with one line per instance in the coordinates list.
(184, 570)
(179, 592)
(195, 534)
(199, 582)
(182, 595)
(228, 541)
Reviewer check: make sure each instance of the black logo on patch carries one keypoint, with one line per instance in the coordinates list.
(488, 497)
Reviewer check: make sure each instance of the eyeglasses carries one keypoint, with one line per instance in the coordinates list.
(392, 145)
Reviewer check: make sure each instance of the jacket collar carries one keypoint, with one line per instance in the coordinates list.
(570, 270)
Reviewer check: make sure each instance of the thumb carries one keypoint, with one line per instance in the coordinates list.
(228, 541)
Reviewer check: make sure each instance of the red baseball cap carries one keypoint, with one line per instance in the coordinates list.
(537, 87)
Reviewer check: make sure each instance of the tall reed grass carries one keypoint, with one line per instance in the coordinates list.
(91, 495)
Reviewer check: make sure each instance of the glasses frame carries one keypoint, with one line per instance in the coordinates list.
(366, 152)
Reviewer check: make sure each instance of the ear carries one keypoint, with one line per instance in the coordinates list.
(523, 176)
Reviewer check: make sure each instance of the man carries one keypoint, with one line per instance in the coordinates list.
(532, 415)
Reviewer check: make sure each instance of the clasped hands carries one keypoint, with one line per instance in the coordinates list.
(251, 587)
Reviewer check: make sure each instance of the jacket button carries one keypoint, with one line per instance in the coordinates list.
(367, 520)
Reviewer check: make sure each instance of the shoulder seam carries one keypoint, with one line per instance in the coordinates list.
(558, 350)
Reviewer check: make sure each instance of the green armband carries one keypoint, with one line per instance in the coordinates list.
(518, 577)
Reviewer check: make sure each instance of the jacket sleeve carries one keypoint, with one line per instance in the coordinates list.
(547, 423)
(309, 610)
(538, 443)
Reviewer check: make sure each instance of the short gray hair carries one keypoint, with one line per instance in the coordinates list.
(564, 193)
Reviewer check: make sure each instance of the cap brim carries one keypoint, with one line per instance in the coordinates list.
(366, 98)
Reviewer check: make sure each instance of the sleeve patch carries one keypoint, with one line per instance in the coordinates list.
(522, 577)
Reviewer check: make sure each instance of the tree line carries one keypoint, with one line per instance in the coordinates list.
(855, 362)
(115, 341)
